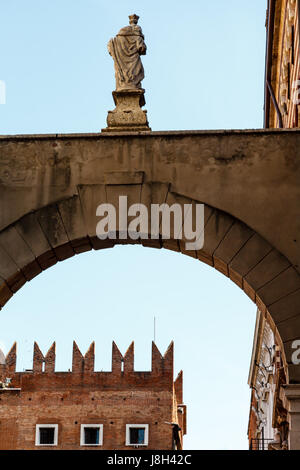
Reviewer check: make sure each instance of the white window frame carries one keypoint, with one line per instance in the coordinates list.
(37, 434)
(83, 426)
(146, 441)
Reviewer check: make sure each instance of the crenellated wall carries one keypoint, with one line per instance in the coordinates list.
(122, 367)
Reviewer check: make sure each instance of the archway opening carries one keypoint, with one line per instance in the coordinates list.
(114, 295)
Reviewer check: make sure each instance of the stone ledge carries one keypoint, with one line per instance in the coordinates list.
(101, 135)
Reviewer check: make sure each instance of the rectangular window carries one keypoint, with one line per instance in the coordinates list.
(46, 434)
(91, 435)
(137, 434)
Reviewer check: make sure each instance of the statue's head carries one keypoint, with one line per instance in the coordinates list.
(133, 19)
(133, 29)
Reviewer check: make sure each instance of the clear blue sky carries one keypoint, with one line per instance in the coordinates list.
(204, 70)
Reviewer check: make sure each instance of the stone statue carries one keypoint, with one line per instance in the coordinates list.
(126, 49)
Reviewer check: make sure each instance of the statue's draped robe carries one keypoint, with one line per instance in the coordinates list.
(126, 49)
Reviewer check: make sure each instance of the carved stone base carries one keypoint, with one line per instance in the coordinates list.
(128, 115)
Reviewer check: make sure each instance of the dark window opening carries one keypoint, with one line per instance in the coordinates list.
(137, 435)
(293, 45)
(46, 435)
(91, 435)
(289, 81)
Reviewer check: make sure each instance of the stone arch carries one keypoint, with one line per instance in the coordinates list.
(50, 186)
(41, 238)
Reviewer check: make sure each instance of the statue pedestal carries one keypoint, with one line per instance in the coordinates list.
(128, 115)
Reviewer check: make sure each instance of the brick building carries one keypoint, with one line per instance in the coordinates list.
(282, 88)
(84, 409)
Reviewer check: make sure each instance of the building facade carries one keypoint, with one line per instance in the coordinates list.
(268, 427)
(273, 422)
(83, 409)
(282, 87)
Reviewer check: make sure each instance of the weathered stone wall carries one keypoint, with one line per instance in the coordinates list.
(251, 175)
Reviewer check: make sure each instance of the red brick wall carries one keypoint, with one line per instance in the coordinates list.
(252, 419)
